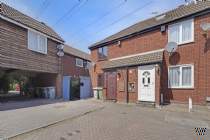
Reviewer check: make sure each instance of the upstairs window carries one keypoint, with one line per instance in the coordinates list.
(182, 32)
(102, 52)
(37, 42)
(181, 76)
(79, 62)
(87, 64)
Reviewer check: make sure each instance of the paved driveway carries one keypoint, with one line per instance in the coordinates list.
(17, 121)
(125, 122)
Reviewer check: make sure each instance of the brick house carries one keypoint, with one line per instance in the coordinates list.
(30, 46)
(133, 66)
(76, 77)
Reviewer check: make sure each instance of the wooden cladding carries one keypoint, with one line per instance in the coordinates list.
(14, 52)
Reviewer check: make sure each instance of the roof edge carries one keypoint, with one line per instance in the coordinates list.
(149, 63)
(4, 17)
(86, 56)
(205, 11)
(28, 28)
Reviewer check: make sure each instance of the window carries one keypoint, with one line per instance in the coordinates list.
(102, 52)
(100, 80)
(37, 42)
(87, 64)
(181, 76)
(79, 62)
(182, 32)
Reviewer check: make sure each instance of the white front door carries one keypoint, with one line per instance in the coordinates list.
(146, 83)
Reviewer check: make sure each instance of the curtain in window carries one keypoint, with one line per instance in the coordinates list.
(33, 38)
(105, 51)
(186, 31)
(174, 76)
(186, 76)
(42, 44)
(174, 34)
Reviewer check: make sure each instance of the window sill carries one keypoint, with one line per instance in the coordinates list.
(79, 66)
(185, 43)
(44, 53)
(181, 88)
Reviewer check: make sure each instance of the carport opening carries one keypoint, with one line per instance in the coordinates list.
(18, 85)
(75, 89)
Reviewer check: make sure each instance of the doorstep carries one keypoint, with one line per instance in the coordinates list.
(146, 104)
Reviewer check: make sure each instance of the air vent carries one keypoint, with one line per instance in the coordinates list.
(161, 17)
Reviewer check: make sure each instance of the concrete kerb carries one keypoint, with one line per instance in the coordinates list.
(53, 123)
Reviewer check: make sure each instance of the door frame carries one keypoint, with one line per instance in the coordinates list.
(147, 67)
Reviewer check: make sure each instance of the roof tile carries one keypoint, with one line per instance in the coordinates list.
(175, 14)
(75, 52)
(150, 58)
(21, 18)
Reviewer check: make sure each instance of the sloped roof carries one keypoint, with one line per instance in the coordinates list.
(141, 59)
(178, 13)
(75, 52)
(21, 18)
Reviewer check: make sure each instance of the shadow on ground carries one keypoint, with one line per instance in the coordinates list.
(26, 103)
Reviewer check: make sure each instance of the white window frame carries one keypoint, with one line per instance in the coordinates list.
(180, 31)
(77, 64)
(180, 78)
(39, 35)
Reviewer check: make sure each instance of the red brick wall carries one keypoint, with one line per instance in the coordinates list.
(133, 78)
(70, 68)
(192, 53)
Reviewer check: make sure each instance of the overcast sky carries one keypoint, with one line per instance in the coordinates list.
(84, 22)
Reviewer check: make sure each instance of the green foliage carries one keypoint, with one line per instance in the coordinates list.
(10, 79)
(4, 84)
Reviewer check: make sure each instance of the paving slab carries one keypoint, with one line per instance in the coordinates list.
(120, 122)
(18, 121)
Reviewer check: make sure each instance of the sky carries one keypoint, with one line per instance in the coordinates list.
(82, 23)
